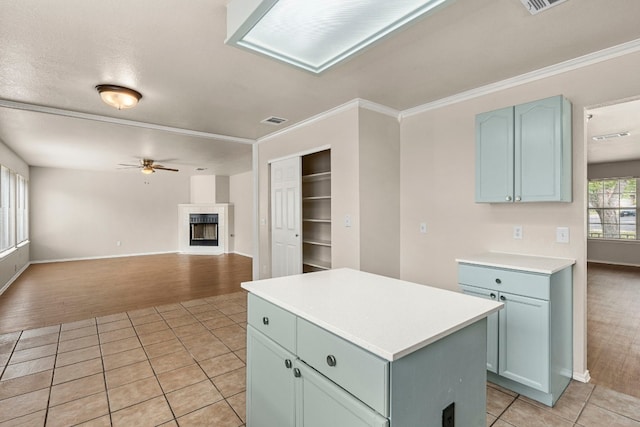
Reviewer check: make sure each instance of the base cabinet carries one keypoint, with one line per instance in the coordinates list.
(529, 342)
(271, 396)
(299, 374)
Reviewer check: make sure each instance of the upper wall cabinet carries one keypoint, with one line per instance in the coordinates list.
(523, 153)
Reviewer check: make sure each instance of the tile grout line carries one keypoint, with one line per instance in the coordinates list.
(155, 374)
(104, 372)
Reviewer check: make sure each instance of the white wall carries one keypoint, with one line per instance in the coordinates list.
(379, 161)
(14, 262)
(614, 251)
(82, 214)
(437, 186)
(241, 196)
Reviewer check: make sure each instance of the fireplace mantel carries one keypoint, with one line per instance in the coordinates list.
(225, 228)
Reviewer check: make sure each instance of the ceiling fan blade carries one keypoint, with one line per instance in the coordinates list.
(128, 166)
(165, 169)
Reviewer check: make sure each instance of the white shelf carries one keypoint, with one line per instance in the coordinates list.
(316, 176)
(323, 265)
(318, 242)
(314, 198)
(328, 221)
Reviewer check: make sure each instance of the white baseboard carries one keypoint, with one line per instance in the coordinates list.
(583, 377)
(623, 264)
(243, 254)
(101, 257)
(15, 276)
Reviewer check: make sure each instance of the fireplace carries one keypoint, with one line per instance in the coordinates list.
(203, 229)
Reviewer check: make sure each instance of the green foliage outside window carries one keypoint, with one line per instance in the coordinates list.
(613, 209)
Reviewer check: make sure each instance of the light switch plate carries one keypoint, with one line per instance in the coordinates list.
(347, 220)
(562, 235)
(423, 227)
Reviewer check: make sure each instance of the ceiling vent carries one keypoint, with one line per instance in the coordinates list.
(536, 6)
(611, 136)
(274, 120)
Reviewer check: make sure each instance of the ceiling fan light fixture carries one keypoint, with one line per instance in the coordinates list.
(147, 170)
(118, 97)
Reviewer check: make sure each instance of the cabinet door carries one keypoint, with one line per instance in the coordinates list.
(494, 156)
(270, 383)
(492, 325)
(321, 403)
(524, 341)
(540, 155)
(286, 248)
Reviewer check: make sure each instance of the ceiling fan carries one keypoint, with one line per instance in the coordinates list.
(148, 167)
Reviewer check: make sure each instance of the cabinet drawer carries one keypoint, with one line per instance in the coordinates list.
(274, 322)
(529, 284)
(361, 373)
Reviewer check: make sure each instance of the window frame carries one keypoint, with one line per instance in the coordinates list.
(614, 210)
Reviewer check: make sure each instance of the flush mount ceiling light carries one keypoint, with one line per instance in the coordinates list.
(317, 34)
(118, 97)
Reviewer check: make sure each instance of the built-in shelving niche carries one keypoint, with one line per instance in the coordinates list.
(316, 211)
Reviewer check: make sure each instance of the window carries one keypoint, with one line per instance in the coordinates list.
(22, 210)
(613, 209)
(7, 211)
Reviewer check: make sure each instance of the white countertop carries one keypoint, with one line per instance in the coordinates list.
(534, 264)
(389, 317)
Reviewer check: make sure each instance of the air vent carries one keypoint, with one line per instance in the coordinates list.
(610, 136)
(536, 6)
(274, 120)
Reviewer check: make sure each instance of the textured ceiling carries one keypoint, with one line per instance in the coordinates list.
(173, 52)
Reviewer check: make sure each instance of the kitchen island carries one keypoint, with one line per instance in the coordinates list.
(348, 348)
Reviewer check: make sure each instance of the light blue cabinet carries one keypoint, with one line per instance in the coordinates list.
(271, 396)
(523, 153)
(529, 342)
(321, 379)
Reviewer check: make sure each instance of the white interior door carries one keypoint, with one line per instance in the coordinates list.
(286, 248)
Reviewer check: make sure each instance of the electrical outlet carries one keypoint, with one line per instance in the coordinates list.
(562, 235)
(423, 227)
(517, 232)
(118, 243)
(449, 415)
(347, 220)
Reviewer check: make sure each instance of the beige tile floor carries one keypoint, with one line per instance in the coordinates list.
(183, 364)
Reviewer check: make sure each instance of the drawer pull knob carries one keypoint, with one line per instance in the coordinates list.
(296, 373)
(503, 298)
(287, 363)
(331, 360)
(498, 281)
(265, 320)
(492, 295)
(508, 198)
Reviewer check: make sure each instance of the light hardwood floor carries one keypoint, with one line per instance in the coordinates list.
(613, 327)
(54, 293)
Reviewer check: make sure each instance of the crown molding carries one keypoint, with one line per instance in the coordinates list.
(354, 103)
(114, 120)
(550, 71)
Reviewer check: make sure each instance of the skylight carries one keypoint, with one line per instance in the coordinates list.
(317, 34)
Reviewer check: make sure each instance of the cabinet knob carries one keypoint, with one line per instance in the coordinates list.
(503, 298)
(518, 198)
(498, 281)
(508, 198)
(492, 295)
(288, 364)
(265, 320)
(331, 360)
(296, 373)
